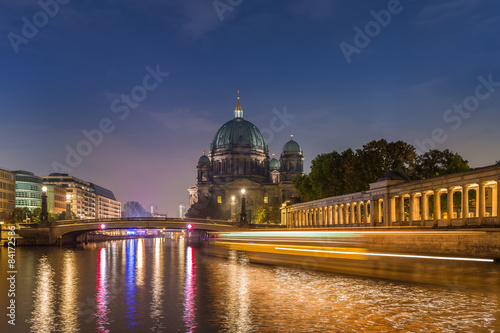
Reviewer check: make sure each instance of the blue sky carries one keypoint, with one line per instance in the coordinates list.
(282, 55)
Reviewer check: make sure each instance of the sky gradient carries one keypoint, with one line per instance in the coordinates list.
(414, 63)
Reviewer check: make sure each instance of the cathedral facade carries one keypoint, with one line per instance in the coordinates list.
(238, 159)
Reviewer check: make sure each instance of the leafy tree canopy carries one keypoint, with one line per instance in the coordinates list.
(352, 171)
(134, 209)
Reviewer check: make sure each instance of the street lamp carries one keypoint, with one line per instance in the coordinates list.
(44, 215)
(243, 215)
(68, 207)
(233, 208)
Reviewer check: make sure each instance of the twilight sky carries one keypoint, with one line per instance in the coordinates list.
(336, 74)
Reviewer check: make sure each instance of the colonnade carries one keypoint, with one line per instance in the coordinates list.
(469, 199)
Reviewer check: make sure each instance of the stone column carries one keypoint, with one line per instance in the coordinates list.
(465, 203)
(425, 206)
(353, 213)
(412, 208)
(497, 205)
(450, 204)
(373, 211)
(387, 202)
(494, 200)
(392, 218)
(482, 202)
(358, 205)
(401, 209)
(367, 211)
(437, 206)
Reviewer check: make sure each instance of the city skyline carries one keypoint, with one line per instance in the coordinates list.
(335, 75)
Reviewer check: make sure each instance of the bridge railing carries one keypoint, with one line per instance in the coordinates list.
(148, 219)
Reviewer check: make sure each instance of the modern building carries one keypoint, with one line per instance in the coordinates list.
(106, 204)
(7, 194)
(56, 199)
(239, 159)
(82, 197)
(87, 200)
(28, 190)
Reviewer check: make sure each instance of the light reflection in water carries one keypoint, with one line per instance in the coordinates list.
(238, 317)
(190, 291)
(140, 262)
(156, 310)
(69, 294)
(43, 315)
(101, 296)
(130, 284)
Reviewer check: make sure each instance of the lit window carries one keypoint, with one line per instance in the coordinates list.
(266, 199)
(219, 199)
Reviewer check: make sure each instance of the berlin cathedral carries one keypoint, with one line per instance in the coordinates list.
(239, 160)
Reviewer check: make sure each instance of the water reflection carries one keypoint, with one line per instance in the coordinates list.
(231, 295)
(130, 284)
(190, 291)
(43, 315)
(69, 293)
(156, 309)
(140, 262)
(101, 297)
(238, 317)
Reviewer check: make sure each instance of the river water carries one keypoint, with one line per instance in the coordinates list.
(165, 285)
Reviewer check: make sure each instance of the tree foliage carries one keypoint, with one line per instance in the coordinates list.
(352, 171)
(208, 208)
(134, 209)
(269, 214)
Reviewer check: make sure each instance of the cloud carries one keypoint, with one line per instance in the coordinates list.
(315, 10)
(442, 11)
(195, 18)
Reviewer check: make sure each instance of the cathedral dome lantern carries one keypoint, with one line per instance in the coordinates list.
(291, 160)
(291, 146)
(274, 164)
(204, 159)
(238, 133)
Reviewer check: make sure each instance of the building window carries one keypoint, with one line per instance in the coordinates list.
(219, 199)
(266, 199)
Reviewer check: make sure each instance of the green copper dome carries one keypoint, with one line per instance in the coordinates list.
(274, 164)
(204, 160)
(238, 133)
(291, 147)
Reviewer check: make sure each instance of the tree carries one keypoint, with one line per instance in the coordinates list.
(35, 216)
(207, 207)
(134, 209)
(263, 215)
(437, 163)
(18, 215)
(62, 216)
(335, 173)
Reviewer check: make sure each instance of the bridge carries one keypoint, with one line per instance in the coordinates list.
(67, 231)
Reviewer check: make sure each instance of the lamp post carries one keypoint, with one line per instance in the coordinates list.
(243, 215)
(68, 207)
(233, 208)
(44, 215)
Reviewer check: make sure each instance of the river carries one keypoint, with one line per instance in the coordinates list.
(165, 285)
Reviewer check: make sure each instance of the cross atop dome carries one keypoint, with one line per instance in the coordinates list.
(238, 111)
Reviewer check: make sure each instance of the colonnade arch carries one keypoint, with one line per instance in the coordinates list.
(470, 198)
